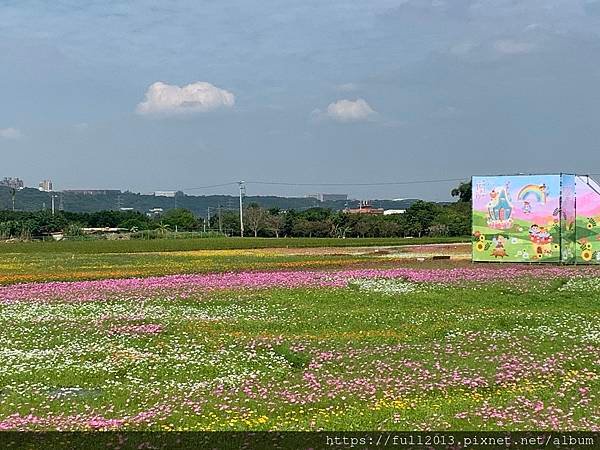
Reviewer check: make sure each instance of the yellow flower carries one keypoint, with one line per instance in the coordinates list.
(479, 247)
(482, 237)
(590, 226)
(586, 255)
(556, 246)
(588, 246)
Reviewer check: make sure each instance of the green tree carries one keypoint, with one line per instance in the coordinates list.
(457, 218)
(73, 229)
(464, 191)
(43, 223)
(163, 227)
(181, 218)
(420, 216)
(437, 230)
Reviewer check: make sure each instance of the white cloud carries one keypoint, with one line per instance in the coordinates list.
(347, 111)
(10, 133)
(166, 99)
(511, 47)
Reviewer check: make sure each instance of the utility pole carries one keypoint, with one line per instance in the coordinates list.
(208, 216)
(52, 197)
(242, 193)
(13, 193)
(220, 221)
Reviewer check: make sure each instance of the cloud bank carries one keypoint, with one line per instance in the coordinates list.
(166, 99)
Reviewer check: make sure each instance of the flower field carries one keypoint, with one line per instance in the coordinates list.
(462, 347)
(82, 263)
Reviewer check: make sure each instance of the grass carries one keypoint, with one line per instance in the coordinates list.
(179, 245)
(476, 357)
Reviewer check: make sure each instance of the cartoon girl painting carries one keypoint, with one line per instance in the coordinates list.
(499, 251)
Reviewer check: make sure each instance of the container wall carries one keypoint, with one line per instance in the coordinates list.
(516, 218)
(587, 229)
(568, 243)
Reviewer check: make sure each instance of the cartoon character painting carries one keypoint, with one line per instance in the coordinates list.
(518, 213)
(541, 241)
(499, 251)
(500, 209)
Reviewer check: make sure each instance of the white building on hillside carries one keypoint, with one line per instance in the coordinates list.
(45, 186)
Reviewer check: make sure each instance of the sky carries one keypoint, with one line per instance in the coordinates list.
(145, 95)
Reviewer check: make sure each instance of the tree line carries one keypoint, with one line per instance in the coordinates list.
(420, 219)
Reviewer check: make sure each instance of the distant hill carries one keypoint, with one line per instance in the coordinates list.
(29, 199)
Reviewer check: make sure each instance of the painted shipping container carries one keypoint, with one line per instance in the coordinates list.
(536, 218)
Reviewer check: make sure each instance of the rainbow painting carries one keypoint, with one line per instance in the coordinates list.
(535, 191)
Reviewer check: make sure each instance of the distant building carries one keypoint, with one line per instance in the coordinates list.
(322, 197)
(388, 212)
(12, 182)
(125, 209)
(364, 208)
(170, 194)
(154, 212)
(93, 191)
(45, 186)
(103, 230)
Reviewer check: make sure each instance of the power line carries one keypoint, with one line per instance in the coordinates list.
(385, 183)
(283, 183)
(388, 183)
(212, 186)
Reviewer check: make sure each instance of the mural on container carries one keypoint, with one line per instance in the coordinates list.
(516, 218)
(587, 247)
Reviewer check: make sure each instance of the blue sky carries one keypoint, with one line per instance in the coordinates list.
(150, 95)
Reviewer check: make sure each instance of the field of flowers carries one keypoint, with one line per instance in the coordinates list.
(83, 263)
(474, 347)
